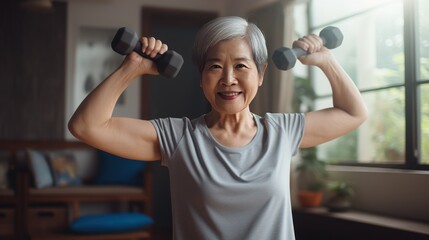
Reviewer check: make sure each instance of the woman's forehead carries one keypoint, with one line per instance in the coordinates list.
(237, 48)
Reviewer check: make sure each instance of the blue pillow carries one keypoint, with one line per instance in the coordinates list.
(119, 171)
(111, 223)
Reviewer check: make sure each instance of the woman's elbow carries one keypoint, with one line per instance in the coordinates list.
(362, 116)
(76, 127)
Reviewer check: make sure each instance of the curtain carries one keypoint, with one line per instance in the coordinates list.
(276, 21)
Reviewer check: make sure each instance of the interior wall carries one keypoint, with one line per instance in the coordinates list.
(391, 192)
(242, 7)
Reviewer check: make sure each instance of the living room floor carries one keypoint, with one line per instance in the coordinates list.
(161, 234)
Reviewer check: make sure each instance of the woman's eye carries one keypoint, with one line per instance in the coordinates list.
(215, 66)
(240, 65)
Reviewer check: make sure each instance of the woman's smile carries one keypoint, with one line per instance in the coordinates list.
(228, 95)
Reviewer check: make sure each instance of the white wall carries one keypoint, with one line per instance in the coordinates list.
(397, 193)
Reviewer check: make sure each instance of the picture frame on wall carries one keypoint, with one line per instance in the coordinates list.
(95, 60)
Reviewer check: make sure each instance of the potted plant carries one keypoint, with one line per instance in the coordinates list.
(312, 177)
(341, 196)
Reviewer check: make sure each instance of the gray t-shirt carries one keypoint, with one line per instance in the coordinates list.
(219, 192)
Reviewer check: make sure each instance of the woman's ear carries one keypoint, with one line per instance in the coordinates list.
(261, 76)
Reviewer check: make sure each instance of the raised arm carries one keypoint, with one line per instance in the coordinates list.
(93, 123)
(348, 111)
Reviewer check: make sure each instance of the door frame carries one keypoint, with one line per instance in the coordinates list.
(175, 17)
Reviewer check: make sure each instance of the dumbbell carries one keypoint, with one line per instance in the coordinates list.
(285, 58)
(126, 40)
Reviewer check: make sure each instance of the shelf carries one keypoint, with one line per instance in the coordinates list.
(356, 225)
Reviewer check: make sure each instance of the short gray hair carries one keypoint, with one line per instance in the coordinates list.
(225, 28)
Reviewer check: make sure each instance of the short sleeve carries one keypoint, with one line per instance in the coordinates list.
(296, 130)
(293, 125)
(169, 131)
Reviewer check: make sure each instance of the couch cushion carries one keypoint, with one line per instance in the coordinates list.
(64, 168)
(111, 223)
(41, 169)
(119, 171)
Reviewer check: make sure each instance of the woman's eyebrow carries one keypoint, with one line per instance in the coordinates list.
(217, 59)
(243, 59)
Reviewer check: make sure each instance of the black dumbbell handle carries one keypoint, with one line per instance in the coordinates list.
(301, 52)
(284, 58)
(158, 59)
(138, 49)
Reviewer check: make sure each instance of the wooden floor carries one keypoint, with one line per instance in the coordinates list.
(161, 234)
(156, 234)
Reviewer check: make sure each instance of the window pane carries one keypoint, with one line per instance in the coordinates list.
(324, 11)
(424, 121)
(424, 39)
(372, 50)
(381, 139)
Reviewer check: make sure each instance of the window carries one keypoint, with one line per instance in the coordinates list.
(423, 77)
(386, 52)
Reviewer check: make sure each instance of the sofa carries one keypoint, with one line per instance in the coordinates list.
(63, 188)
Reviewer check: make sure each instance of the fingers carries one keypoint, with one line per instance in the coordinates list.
(152, 46)
(310, 43)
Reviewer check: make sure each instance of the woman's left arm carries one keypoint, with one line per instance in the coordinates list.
(348, 111)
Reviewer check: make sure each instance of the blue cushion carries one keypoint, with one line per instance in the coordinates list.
(119, 171)
(111, 223)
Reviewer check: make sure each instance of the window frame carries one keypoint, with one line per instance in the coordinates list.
(411, 84)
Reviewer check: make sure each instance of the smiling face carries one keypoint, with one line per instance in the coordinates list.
(230, 78)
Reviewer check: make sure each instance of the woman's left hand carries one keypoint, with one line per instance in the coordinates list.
(318, 55)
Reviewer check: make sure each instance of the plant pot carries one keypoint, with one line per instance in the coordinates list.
(338, 204)
(309, 199)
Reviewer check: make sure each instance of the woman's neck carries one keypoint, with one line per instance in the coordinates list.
(232, 130)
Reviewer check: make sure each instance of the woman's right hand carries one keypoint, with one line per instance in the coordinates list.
(140, 65)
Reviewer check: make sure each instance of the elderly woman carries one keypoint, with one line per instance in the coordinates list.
(229, 168)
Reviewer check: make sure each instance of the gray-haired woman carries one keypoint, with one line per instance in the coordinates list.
(229, 168)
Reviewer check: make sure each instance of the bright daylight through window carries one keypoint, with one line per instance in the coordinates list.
(374, 53)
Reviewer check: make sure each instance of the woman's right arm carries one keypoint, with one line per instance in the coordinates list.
(93, 123)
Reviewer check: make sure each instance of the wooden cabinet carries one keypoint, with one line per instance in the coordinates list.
(41, 220)
(7, 222)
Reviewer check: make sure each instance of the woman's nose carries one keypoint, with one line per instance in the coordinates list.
(228, 77)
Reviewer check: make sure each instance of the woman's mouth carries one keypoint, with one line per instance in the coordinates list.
(229, 95)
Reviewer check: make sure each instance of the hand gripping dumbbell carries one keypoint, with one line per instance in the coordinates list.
(285, 58)
(126, 41)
